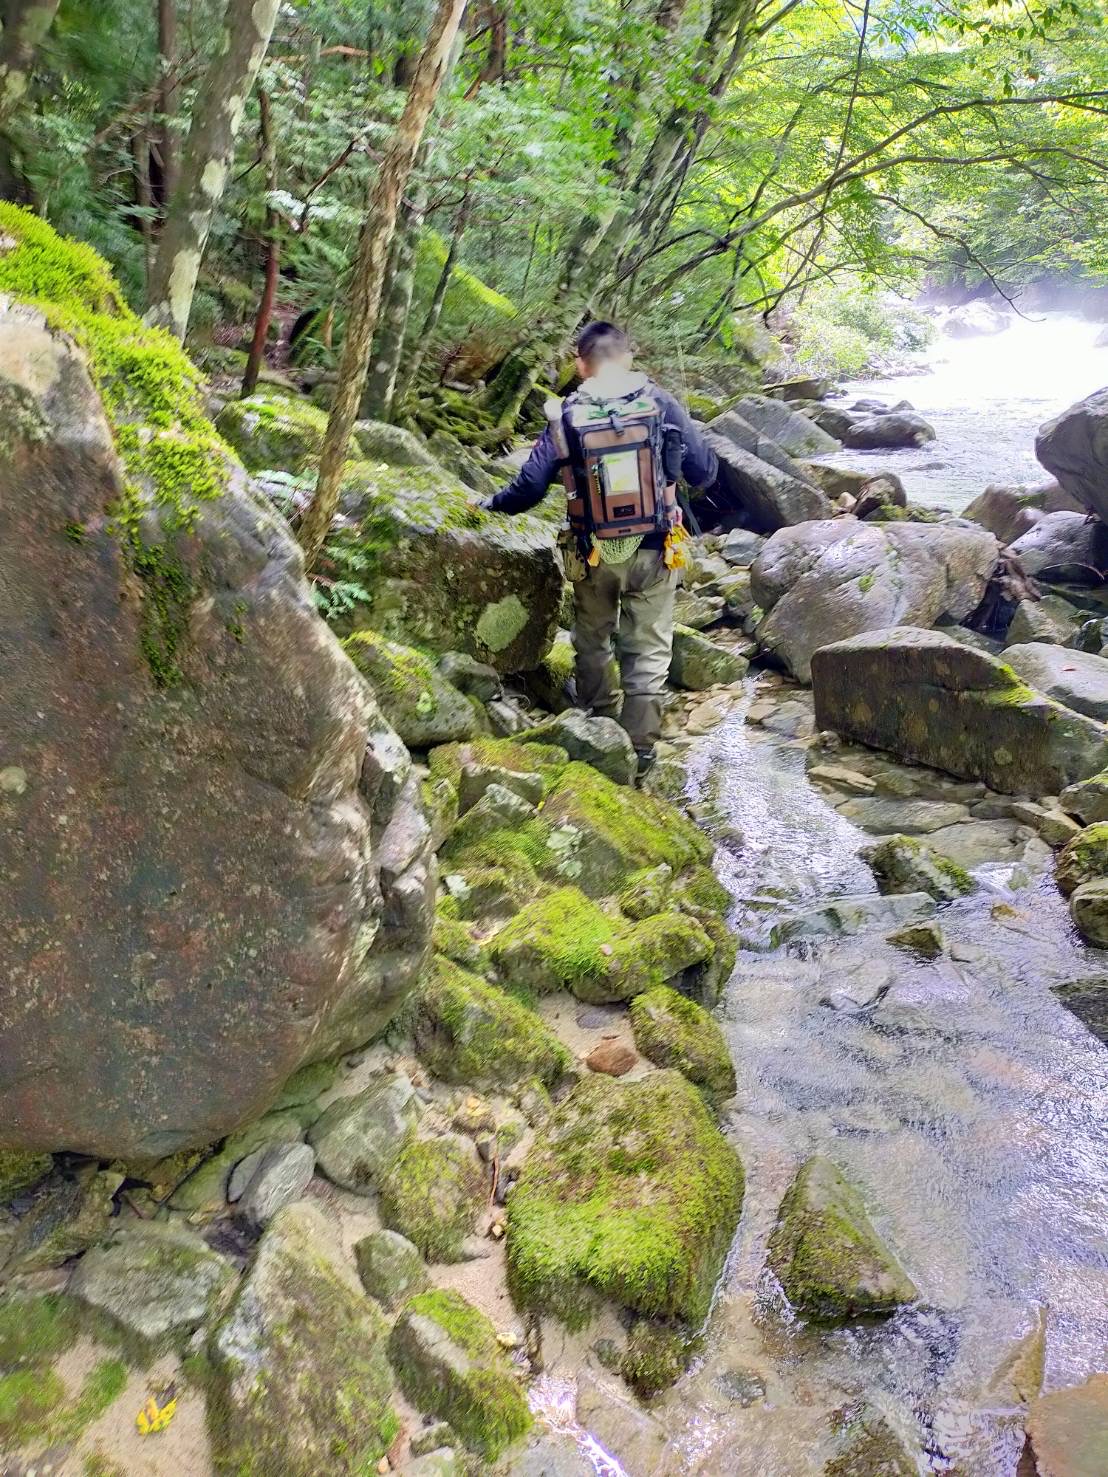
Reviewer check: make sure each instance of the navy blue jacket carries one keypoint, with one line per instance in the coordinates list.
(542, 468)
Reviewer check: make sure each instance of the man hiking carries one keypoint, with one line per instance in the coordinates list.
(619, 444)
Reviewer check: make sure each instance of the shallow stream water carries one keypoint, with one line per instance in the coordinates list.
(985, 397)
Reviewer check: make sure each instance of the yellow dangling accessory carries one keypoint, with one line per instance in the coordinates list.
(676, 554)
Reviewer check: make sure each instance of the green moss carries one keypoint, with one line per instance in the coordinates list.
(631, 1193)
(673, 1031)
(471, 1384)
(432, 1195)
(867, 582)
(906, 864)
(28, 1400)
(274, 430)
(647, 892)
(454, 940)
(36, 1329)
(654, 1358)
(103, 1384)
(447, 760)
(19, 1170)
(172, 457)
(501, 622)
(702, 891)
(470, 1032)
(1084, 859)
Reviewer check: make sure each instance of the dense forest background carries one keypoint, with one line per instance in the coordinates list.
(699, 168)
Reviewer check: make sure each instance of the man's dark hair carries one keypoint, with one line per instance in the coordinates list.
(600, 341)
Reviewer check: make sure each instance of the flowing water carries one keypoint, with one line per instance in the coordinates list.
(986, 398)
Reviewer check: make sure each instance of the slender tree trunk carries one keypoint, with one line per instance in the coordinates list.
(140, 152)
(369, 269)
(26, 25)
(216, 117)
(272, 251)
(167, 95)
(388, 341)
(434, 311)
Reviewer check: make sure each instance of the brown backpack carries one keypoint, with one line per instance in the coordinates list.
(622, 489)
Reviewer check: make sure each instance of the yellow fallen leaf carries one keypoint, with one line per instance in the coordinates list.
(157, 1413)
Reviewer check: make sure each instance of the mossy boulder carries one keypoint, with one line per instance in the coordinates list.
(390, 1267)
(396, 446)
(450, 1364)
(564, 941)
(444, 576)
(470, 1032)
(433, 1193)
(906, 864)
(1084, 859)
(273, 431)
(1087, 800)
(699, 663)
(654, 1359)
(600, 742)
(504, 754)
(20, 1169)
(647, 892)
(827, 1256)
(629, 1193)
(68, 1214)
(673, 1031)
(357, 1139)
(238, 743)
(300, 1378)
(1089, 911)
(155, 1282)
(416, 699)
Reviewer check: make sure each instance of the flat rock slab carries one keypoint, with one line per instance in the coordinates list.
(1077, 678)
(1069, 1430)
(931, 700)
(912, 817)
(856, 914)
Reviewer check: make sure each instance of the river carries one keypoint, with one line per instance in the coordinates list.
(986, 397)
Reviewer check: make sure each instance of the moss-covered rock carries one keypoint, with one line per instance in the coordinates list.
(470, 1032)
(826, 1254)
(673, 1031)
(357, 1138)
(67, 1216)
(504, 754)
(450, 1364)
(647, 892)
(654, 1358)
(433, 1193)
(205, 1190)
(1087, 800)
(396, 446)
(414, 696)
(155, 1282)
(390, 1267)
(1084, 859)
(630, 1193)
(564, 941)
(907, 864)
(600, 742)
(699, 663)
(301, 1381)
(20, 1169)
(1089, 911)
(271, 430)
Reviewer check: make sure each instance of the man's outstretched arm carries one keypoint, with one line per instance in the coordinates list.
(699, 463)
(531, 483)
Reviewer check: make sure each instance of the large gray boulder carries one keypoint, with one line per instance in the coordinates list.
(1011, 511)
(1065, 548)
(769, 497)
(198, 792)
(1077, 678)
(977, 319)
(1074, 448)
(732, 427)
(825, 581)
(929, 699)
(794, 432)
(896, 428)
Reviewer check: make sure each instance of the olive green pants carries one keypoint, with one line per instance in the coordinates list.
(633, 602)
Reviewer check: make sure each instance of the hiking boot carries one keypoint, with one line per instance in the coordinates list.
(646, 758)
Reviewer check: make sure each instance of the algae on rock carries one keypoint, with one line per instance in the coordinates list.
(826, 1254)
(630, 1193)
(433, 1193)
(673, 1031)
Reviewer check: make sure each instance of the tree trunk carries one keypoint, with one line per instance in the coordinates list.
(140, 153)
(272, 251)
(167, 96)
(434, 312)
(216, 117)
(388, 341)
(26, 25)
(373, 250)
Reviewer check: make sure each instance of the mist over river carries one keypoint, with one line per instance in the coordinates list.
(986, 398)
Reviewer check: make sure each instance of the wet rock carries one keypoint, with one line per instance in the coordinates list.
(878, 495)
(600, 742)
(699, 663)
(550, 1455)
(476, 679)
(826, 1254)
(927, 699)
(1076, 678)
(849, 915)
(885, 817)
(564, 941)
(905, 864)
(157, 1282)
(471, 1032)
(1069, 1430)
(1089, 911)
(415, 698)
(826, 581)
(390, 1267)
(281, 1176)
(1050, 619)
(1073, 448)
(798, 435)
(769, 497)
(433, 1193)
(649, 1226)
(208, 815)
(842, 778)
(1084, 859)
(20, 1169)
(1088, 799)
(1065, 548)
(1019, 1376)
(637, 1439)
(893, 429)
(356, 1139)
(68, 1214)
(972, 843)
(450, 1364)
(698, 612)
(612, 1057)
(1010, 511)
(654, 1359)
(856, 988)
(925, 939)
(870, 1448)
(300, 1380)
(741, 547)
(1053, 825)
(1088, 1000)
(1092, 635)
(976, 319)
(673, 1031)
(743, 1387)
